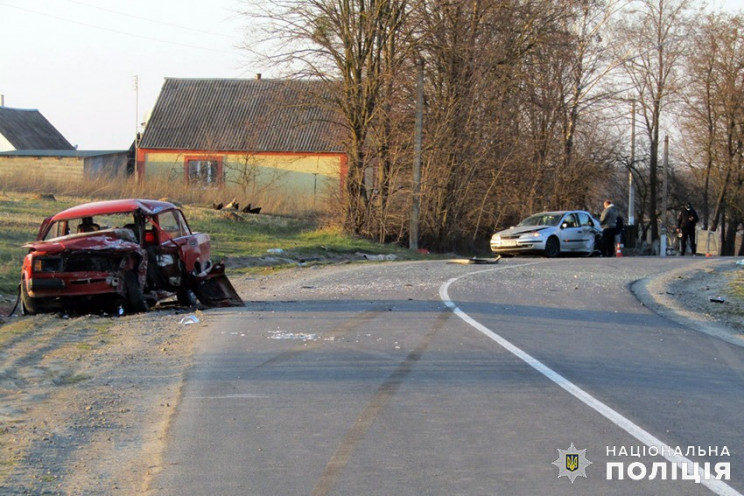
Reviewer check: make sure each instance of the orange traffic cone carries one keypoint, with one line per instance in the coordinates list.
(618, 250)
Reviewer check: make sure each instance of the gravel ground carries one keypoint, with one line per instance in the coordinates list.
(700, 298)
(85, 402)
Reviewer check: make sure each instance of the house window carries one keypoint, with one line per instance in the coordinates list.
(205, 172)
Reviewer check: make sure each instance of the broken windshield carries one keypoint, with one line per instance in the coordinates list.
(90, 224)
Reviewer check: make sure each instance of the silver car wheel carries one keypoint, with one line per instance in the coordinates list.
(552, 247)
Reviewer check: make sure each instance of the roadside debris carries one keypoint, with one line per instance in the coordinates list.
(235, 205)
(718, 299)
(377, 258)
(475, 260)
(302, 336)
(189, 319)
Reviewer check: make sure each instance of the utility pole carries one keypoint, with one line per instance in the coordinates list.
(631, 190)
(136, 105)
(315, 187)
(416, 207)
(136, 170)
(663, 234)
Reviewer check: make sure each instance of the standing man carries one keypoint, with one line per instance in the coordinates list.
(686, 221)
(608, 223)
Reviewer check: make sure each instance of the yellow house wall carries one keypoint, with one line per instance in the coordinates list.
(302, 173)
(59, 169)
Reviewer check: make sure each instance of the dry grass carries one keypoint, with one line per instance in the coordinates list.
(290, 204)
(736, 284)
(25, 199)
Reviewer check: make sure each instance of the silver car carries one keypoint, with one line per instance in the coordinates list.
(550, 234)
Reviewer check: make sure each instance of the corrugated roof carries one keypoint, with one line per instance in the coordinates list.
(254, 115)
(27, 129)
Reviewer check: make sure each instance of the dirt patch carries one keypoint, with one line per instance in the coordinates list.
(700, 297)
(707, 291)
(86, 400)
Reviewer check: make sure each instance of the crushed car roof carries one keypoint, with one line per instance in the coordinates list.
(151, 207)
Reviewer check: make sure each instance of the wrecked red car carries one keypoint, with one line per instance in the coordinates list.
(120, 255)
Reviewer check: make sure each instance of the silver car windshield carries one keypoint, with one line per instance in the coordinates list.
(541, 220)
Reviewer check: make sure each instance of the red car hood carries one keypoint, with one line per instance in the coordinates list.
(114, 240)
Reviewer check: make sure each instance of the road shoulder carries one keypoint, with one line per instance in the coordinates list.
(685, 296)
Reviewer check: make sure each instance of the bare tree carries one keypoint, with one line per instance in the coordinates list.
(475, 155)
(351, 44)
(585, 65)
(715, 120)
(652, 39)
(513, 115)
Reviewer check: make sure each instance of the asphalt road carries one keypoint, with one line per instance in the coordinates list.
(443, 379)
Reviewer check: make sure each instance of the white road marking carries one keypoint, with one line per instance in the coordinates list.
(717, 486)
(231, 397)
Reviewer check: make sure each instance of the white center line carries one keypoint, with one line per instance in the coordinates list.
(717, 486)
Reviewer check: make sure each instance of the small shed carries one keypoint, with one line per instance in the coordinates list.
(65, 164)
(31, 146)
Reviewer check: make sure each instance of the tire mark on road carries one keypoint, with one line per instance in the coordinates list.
(372, 410)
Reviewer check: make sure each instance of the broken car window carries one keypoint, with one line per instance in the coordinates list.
(172, 223)
(91, 224)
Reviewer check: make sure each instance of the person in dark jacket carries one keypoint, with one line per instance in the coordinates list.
(686, 221)
(608, 223)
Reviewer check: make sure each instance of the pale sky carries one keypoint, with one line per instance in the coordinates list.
(76, 60)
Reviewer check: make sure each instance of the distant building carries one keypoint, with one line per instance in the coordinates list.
(259, 133)
(23, 129)
(30, 144)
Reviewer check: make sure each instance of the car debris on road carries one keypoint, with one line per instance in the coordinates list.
(475, 260)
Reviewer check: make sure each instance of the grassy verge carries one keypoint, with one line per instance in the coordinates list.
(736, 284)
(233, 236)
(20, 218)
(254, 235)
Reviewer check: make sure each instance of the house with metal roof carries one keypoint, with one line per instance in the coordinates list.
(30, 144)
(257, 133)
(27, 129)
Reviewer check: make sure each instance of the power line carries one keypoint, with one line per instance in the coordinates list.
(117, 31)
(154, 21)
